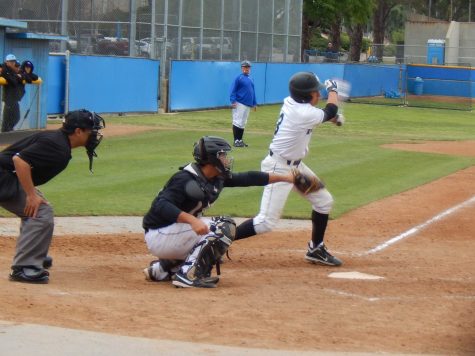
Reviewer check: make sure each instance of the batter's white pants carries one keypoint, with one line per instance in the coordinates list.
(275, 195)
(240, 115)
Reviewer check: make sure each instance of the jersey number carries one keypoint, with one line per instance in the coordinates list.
(281, 118)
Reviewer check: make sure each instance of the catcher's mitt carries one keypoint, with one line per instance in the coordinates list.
(305, 183)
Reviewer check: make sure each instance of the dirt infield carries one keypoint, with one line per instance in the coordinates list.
(269, 297)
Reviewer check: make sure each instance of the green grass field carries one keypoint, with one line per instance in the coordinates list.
(131, 169)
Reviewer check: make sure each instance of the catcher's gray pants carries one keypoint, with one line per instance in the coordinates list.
(35, 233)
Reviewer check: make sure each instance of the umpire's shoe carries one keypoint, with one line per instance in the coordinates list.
(180, 280)
(321, 255)
(29, 275)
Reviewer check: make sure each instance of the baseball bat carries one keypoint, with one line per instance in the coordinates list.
(344, 89)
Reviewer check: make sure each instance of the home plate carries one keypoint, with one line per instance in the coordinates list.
(353, 275)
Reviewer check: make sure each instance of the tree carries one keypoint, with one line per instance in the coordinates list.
(380, 17)
(329, 15)
(357, 14)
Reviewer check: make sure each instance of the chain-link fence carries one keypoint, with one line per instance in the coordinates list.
(398, 54)
(256, 30)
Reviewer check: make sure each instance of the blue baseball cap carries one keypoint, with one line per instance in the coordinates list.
(10, 57)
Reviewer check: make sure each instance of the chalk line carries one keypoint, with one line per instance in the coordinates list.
(419, 227)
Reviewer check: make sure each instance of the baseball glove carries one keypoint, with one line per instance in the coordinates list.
(306, 184)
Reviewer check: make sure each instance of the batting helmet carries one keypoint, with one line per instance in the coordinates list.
(213, 150)
(245, 64)
(302, 84)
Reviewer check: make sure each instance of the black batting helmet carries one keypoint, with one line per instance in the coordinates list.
(302, 84)
(245, 64)
(213, 150)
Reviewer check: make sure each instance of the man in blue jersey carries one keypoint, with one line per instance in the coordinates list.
(243, 98)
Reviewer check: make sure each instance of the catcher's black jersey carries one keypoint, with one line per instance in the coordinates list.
(174, 198)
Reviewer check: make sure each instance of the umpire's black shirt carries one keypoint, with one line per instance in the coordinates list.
(47, 152)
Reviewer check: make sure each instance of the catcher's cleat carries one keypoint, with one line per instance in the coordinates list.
(321, 255)
(180, 280)
(29, 275)
(148, 273)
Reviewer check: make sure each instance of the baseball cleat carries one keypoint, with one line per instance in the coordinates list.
(29, 275)
(148, 273)
(238, 143)
(181, 281)
(321, 255)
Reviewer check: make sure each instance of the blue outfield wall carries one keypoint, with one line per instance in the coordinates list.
(113, 84)
(56, 84)
(443, 80)
(103, 84)
(206, 84)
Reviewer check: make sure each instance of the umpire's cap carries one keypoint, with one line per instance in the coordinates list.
(82, 119)
(245, 64)
(302, 84)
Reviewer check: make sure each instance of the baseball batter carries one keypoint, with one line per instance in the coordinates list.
(187, 244)
(297, 120)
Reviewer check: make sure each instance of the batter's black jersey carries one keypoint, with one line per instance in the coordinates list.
(175, 197)
(47, 152)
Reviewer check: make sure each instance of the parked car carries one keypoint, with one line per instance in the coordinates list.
(112, 46)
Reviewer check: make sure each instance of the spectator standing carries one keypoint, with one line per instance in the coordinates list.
(12, 92)
(331, 52)
(243, 98)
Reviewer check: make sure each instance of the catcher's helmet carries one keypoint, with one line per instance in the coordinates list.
(302, 84)
(213, 150)
(84, 119)
(245, 64)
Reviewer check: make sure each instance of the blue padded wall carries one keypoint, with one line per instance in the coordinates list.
(113, 84)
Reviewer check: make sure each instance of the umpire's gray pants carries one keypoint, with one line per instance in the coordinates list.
(35, 233)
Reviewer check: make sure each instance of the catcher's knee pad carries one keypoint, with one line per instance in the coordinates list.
(224, 228)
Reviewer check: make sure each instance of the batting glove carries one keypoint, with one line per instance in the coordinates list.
(331, 85)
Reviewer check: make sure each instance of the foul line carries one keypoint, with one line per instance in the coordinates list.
(420, 227)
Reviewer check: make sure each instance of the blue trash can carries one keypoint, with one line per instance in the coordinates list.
(418, 86)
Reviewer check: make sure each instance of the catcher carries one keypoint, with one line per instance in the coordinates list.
(187, 244)
(298, 117)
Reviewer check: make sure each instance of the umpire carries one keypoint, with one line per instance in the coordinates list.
(33, 161)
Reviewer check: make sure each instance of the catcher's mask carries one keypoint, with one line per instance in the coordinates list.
(214, 150)
(85, 119)
(302, 84)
